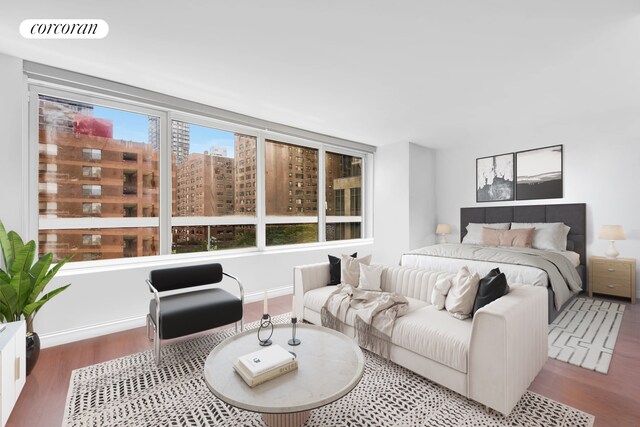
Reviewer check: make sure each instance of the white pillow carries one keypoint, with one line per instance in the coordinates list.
(439, 294)
(350, 269)
(370, 277)
(474, 231)
(462, 295)
(550, 236)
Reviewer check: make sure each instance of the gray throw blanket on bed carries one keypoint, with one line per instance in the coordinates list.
(563, 277)
(376, 313)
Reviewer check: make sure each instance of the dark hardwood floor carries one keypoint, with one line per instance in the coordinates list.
(613, 398)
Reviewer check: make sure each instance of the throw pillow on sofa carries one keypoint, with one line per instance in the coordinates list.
(350, 269)
(370, 277)
(334, 269)
(440, 291)
(462, 295)
(491, 287)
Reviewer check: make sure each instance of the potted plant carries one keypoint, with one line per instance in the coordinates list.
(22, 281)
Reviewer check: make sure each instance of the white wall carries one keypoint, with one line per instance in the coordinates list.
(404, 192)
(601, 170)
(12, 95)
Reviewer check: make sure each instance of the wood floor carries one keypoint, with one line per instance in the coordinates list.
(613, 398)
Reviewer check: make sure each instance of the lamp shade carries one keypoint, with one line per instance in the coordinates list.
(611, 232)
(443, 229)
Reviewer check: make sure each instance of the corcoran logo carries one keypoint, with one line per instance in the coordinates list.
(64, 29)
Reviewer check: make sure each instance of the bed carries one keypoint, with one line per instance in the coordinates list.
(573, 215)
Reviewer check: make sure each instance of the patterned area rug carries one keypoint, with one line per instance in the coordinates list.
(132, 391)
(585, 333)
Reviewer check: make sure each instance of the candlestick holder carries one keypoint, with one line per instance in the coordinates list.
(265, 327)
(294, 327)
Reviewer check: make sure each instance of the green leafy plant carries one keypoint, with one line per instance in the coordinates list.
(23, 280)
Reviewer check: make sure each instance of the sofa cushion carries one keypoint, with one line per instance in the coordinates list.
(370, 277)
(334, 269)
(436, 335)
(350, 269)
(462, 294)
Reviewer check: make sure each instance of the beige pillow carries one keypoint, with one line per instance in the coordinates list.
(474, 231)
(521, 238)
(462, 295)
(370, 277)
(440, 291)
(350, 269)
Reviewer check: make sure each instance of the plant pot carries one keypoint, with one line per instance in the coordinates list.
(33, 350)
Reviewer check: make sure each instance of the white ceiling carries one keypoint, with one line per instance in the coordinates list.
(438, 73)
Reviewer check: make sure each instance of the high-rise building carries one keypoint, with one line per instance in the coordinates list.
(180, 136)
(291, 179)
(245, 174)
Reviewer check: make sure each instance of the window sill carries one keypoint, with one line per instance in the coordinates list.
(90, 267)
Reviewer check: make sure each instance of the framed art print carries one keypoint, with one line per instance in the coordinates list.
(539, 173)
(494, 178)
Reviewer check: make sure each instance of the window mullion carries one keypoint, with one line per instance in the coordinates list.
(322, 213)
(261, 231)
(165, 184)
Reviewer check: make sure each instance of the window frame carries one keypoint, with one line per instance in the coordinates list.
(164, 220)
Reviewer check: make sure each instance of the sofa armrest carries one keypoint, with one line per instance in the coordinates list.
(306, 278)
(508, 347)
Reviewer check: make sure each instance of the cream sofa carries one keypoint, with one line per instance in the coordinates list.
(491, 358)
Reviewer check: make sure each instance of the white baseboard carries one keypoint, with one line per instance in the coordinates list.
(93, 331)
(65, 337)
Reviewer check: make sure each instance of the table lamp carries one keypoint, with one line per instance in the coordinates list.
(442, 230)
(611, 233)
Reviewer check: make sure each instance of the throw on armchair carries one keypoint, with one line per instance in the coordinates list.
(173, 315)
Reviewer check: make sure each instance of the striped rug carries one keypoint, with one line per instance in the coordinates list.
(585, 333)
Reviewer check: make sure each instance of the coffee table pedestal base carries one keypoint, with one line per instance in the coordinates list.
(293, 419)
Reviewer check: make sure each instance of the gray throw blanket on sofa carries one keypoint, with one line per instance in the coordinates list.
(375, 315)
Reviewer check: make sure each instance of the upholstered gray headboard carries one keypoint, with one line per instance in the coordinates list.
(574, 215)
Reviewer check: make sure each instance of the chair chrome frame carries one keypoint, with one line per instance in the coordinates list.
(157, 350)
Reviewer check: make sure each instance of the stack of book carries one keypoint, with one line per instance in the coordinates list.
(263, 365)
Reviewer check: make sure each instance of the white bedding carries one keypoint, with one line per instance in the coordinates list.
(514, 273)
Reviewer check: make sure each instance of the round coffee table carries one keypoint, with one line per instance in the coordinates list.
(330, 365)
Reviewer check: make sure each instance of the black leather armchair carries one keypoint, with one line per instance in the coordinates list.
(173, 314)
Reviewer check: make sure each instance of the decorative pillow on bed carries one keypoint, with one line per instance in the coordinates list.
(491, 287)
(440, 291)
(474, 231)
(551, 236)
(521, 238)
(334, 269)
(370, 277)
(350, 269)
(462, 295)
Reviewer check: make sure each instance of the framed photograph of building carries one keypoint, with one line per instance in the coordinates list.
(494, 178)
(539, 173)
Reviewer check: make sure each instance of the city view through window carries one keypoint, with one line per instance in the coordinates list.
(99, 196)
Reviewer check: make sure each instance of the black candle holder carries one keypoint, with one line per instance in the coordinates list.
(265, 325)
(294, 327)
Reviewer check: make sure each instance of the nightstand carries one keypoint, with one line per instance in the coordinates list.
(613, 277)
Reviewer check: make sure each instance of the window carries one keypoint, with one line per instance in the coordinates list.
(214, 158)
(343, 190)
(114, 139)
(224, 185)
(91, 171)
(92, 239)
(279, 180)
(87, 153)
(91, 190)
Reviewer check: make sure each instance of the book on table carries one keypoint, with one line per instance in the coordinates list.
(253, 381)
(265, 364)
(265, 359)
